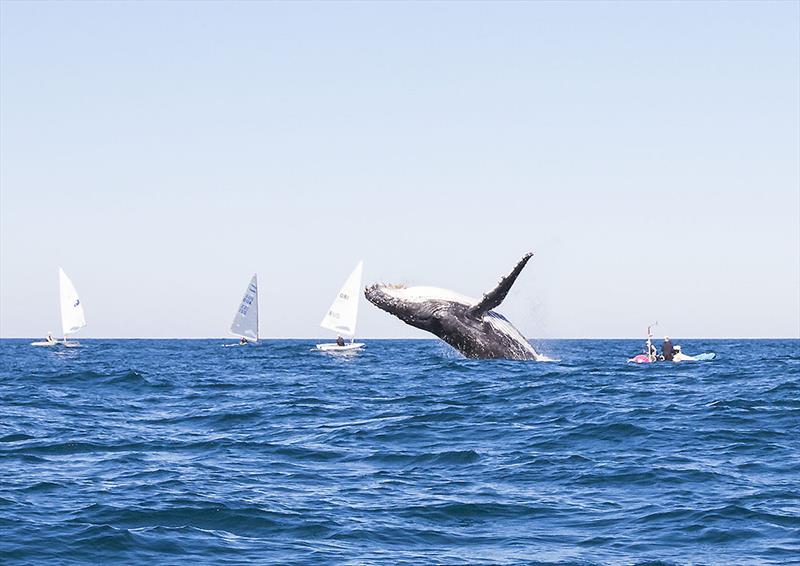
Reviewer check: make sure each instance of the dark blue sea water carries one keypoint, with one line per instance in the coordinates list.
(181, 451)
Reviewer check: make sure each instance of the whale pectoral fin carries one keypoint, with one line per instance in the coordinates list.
(494, 297)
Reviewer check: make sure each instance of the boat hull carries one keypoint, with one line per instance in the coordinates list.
(333, 348)
(61, 343)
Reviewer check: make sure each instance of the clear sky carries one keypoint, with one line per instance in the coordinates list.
(162, 152)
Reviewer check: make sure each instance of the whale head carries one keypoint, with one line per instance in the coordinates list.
(426, 308)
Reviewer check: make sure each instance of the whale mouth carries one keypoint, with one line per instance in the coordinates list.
(394, 299)
(403, 302)
(396, 294)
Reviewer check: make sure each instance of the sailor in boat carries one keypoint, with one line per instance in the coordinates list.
(50, 339)
(243, 341)
(339, 341)
(667, 351)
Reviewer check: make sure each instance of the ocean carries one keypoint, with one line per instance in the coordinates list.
(182, 451)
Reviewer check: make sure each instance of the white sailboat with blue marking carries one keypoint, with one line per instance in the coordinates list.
(245, 321)
(72, 315)
(342, 317)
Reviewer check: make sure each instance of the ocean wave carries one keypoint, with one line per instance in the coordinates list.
(446, 458)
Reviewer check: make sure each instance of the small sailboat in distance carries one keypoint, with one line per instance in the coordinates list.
(245, 321)
(72, 316)
(341, 318)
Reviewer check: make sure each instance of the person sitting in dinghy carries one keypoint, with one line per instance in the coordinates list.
(243, 341)
(50, 339)
(339, 341)
(667, 351)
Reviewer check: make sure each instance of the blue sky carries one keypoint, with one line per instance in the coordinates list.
(161, 152)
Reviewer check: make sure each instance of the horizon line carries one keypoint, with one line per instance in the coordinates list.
(310, 339)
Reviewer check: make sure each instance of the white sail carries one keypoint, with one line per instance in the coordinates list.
(343, 314)
(72, 317)
(245, 321)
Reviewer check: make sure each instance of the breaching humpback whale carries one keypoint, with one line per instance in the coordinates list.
(468, 325)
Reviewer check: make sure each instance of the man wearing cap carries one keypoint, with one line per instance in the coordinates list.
(667, 350)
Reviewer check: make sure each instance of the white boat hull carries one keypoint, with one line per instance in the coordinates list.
(336, 348)
(73, 344)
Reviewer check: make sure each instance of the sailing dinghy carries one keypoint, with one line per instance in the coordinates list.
(341, 318)
(245, 321)
(72, 317)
